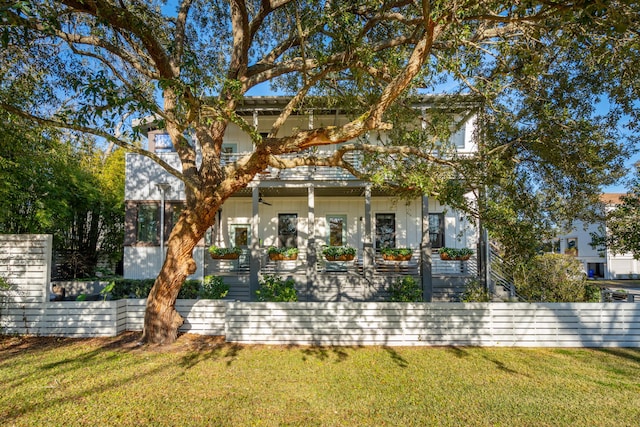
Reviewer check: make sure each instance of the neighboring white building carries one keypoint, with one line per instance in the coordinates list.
(598, 262)
(304, 207)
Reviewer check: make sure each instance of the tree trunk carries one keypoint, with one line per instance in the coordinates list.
(161, 320)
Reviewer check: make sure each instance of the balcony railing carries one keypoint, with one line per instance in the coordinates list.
(304, 173)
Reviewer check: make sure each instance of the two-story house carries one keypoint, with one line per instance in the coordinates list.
(598, 262)
(307, 208)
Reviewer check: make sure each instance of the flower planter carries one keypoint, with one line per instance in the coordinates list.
(281, 257)
(226, 256)
(388, 257)
(446, 257)
(339, 258)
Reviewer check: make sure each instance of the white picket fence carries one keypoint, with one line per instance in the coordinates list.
(26, 309)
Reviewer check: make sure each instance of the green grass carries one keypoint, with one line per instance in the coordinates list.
(200, 381)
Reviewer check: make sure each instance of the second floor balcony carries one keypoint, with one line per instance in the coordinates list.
(303, 173)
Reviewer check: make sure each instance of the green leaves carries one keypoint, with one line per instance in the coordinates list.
(274, 289)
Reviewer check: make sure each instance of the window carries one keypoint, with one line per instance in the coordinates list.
(436, 230)
(240, 235)
(163, 143)
(176, 211)
(572, 246)
(457, 138)
(148, 224)
(337, 230)
(229, 148)
(288, 230)
(385, 231)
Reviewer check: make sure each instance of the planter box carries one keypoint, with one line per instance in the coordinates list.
(446, 257)
(339, 258)
(281, 257)
(388, 257)
(226, 256)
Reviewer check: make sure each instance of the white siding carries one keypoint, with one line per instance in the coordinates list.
(143, 262)
(143, 174)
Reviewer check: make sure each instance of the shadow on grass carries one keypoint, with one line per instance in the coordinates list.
(458, 352)
(396, 357)
(324, 353)
(630, 354)
(501, 365)
(74, 355)
(215, 351)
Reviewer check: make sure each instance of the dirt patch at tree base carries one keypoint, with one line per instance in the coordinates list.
(127, 341)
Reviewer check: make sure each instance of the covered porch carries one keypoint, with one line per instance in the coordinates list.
(252, 221)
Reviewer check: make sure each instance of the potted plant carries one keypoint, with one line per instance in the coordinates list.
(462, 254)
(282, 254)
(225, 253)
(339, 253)
(396, 254)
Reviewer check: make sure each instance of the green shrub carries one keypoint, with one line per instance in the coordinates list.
(396, 251)
(140, 288)
(274, 289)
(474, 291)
(337, 251)
(406, 289)
(4, 284)
(190, 289)
(131, 288)
(554, 278)
(287, 252)
(213, 287)
(214, 250)
(454, 253)
(593, 292)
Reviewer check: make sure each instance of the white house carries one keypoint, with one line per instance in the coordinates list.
(307, 208)
(598, 262)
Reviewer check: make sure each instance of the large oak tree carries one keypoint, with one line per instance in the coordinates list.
(528, 66)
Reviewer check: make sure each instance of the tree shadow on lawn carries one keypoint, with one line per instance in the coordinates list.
(341, 353)
(73, 355)
(324, 353)
(631, 354)
(201, 347)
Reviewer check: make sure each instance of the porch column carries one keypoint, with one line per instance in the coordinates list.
(367, 254)
(254, 263)
(312, 256)
(425, 253)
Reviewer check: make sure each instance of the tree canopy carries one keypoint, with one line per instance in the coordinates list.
(63, 186)
(548, 82)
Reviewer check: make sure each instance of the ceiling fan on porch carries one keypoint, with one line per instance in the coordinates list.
(261, 200)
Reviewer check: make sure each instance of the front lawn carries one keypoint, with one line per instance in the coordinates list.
(201, 381)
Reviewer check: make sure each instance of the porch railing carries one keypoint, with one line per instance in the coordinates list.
(453, 267)
(380, 266)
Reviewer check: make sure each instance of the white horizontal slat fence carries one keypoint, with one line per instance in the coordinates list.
(420, 324)
(25, 309)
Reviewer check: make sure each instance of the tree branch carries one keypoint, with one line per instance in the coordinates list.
(181, 23)
(92, 131)
(122, 18)
(241, 40)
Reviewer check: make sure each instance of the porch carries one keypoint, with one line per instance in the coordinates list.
(317, 279)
